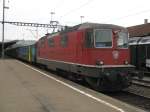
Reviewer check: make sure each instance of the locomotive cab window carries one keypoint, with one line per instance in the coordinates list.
(103, 38)
(64, 41)
(122, 41)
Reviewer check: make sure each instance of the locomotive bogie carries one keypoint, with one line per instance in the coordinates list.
(114, 77)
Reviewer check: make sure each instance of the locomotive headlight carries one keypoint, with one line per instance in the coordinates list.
(126, 62)
(101, 62)
(98, 62)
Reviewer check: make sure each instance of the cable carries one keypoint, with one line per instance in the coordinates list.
(130, 15)
(76, 9)
(59, 4)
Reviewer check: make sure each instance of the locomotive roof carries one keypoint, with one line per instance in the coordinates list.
(102, 26)
(87, 26)
(96, 26)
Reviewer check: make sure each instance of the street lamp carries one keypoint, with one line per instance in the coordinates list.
(52, 13)
(81, 18)
(3, 28)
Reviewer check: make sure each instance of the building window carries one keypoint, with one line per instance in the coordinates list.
(51, 42)
(64, 41)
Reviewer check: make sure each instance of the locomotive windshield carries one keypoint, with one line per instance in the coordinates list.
(103, 38)
(122, 41)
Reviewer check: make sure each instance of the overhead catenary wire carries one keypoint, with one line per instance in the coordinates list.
(58, 4)
(76, 9)
(129, 15)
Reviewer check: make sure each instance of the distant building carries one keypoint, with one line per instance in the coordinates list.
(139, 30)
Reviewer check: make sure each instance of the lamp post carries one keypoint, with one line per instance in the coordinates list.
(3, 28)
(52, 13)
(81, 18)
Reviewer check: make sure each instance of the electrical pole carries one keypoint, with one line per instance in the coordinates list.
(3, 27)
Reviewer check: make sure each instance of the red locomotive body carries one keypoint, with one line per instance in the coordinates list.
(97, 52)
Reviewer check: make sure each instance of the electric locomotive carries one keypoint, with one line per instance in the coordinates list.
(96, 52)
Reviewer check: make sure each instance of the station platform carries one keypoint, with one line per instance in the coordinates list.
(27, 89)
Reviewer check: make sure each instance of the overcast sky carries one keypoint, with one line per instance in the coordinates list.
(67, 12)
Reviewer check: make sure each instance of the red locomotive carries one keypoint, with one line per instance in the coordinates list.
(97, 53)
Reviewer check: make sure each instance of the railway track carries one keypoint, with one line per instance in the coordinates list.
(140, 87)
(145, 82)
(132, 99)
(139, 90)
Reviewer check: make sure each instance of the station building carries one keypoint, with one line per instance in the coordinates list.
(141, 30)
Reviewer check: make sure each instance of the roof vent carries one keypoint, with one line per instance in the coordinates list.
(145, 21)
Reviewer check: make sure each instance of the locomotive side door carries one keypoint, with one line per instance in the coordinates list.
(88, 45)
(84, 44)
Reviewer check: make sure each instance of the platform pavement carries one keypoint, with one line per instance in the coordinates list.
(23, 89)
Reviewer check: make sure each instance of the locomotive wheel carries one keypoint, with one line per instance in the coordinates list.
(95, 83)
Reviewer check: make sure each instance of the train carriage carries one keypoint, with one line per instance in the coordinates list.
(27, 53)
(140, 52)
(133, 45)
(144, 52)
(97, 52)
(24, 50)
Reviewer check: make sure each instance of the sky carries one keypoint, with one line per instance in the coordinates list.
(68, 12)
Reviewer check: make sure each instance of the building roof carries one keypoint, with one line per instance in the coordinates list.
(139, 30)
